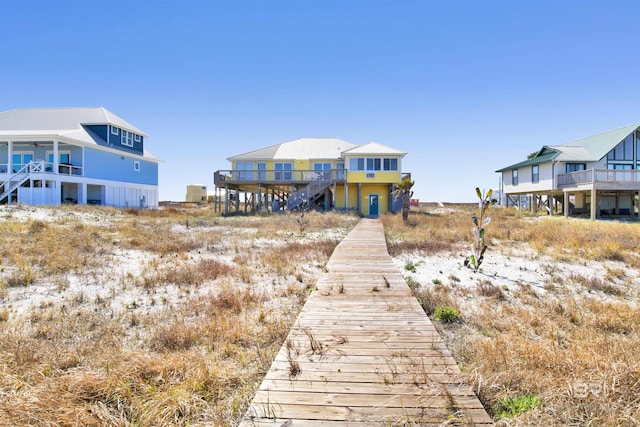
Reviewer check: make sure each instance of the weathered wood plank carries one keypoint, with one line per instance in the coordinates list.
(362, 352)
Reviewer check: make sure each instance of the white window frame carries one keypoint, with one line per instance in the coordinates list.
(126, 138)
(136, 137)
(114, 130)
(136, 166)
(390, 160)
(283, 171)
(60, 154)
(22, 162)
(358, 161)
(376, 167)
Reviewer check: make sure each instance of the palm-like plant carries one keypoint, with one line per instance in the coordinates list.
(403, 193)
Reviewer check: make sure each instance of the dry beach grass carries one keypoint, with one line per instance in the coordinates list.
(116, 318)
(549, 330)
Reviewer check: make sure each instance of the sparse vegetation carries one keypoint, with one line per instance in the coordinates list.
(517, 405)
(480, 221)
(563, 354)
(446, 314)
(147, 322)
(180, 330)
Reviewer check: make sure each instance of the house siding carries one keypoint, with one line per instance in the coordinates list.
(525, 183)
(115, 141)
(383, 198)
(100, 130)
(382, 190)
(104, 165)
(380, 177)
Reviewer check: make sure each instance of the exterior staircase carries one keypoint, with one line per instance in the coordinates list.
(18, 178)
(310, 192)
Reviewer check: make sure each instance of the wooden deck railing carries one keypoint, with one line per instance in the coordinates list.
(591, 176)
(235, 176)
(274, 176)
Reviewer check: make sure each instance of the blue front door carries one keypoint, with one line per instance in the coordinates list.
(373, 204)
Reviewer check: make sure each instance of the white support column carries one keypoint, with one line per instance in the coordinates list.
(594, 204)
(565, 204)
(57, 192)
(56, 156)
(82, 197)
(10, 160)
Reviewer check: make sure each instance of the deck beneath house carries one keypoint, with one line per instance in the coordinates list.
(363, 352)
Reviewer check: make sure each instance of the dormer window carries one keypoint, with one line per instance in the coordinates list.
(114, 130)
(126, 138)
(136, 138)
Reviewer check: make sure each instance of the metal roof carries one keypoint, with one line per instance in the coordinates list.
(301, 148)
(589, 149)
(599, 145)
(62, 123)
(546, 154)
(60, 119)
(373, 148)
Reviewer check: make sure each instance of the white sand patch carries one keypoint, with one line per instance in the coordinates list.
(521, 268)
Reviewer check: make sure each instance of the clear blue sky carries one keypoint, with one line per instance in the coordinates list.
(464, 87)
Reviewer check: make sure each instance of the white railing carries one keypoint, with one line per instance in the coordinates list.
(40, 166)
(15, 181)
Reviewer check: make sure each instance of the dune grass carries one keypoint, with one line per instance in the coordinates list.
(569, 357)
(150, 318)
(192, 307)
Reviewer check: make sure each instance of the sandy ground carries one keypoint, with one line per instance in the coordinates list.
(118, 281)
(508, 268)
(514, 269)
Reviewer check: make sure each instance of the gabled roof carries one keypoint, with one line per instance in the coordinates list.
(301, 148)
(599, 145)
(589, 149)
(373, 148)
(546, 154)
(60, 120)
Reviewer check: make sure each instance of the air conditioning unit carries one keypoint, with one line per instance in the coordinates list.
(371, 174)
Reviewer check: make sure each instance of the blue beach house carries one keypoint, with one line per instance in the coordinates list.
(51, 156)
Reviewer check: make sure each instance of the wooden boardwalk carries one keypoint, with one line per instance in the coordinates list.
(363, 353)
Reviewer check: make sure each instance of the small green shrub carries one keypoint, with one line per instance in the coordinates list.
(446, 314)
(411, 266)
(517, 405)
(412, 283)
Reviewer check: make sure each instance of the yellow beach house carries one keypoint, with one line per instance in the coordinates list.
(323, 173)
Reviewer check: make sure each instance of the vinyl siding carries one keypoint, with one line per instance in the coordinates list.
(115, 167)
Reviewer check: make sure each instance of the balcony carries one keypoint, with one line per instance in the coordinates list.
(275, 177)
(284, 177)
(40, 166)
(601, 179)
